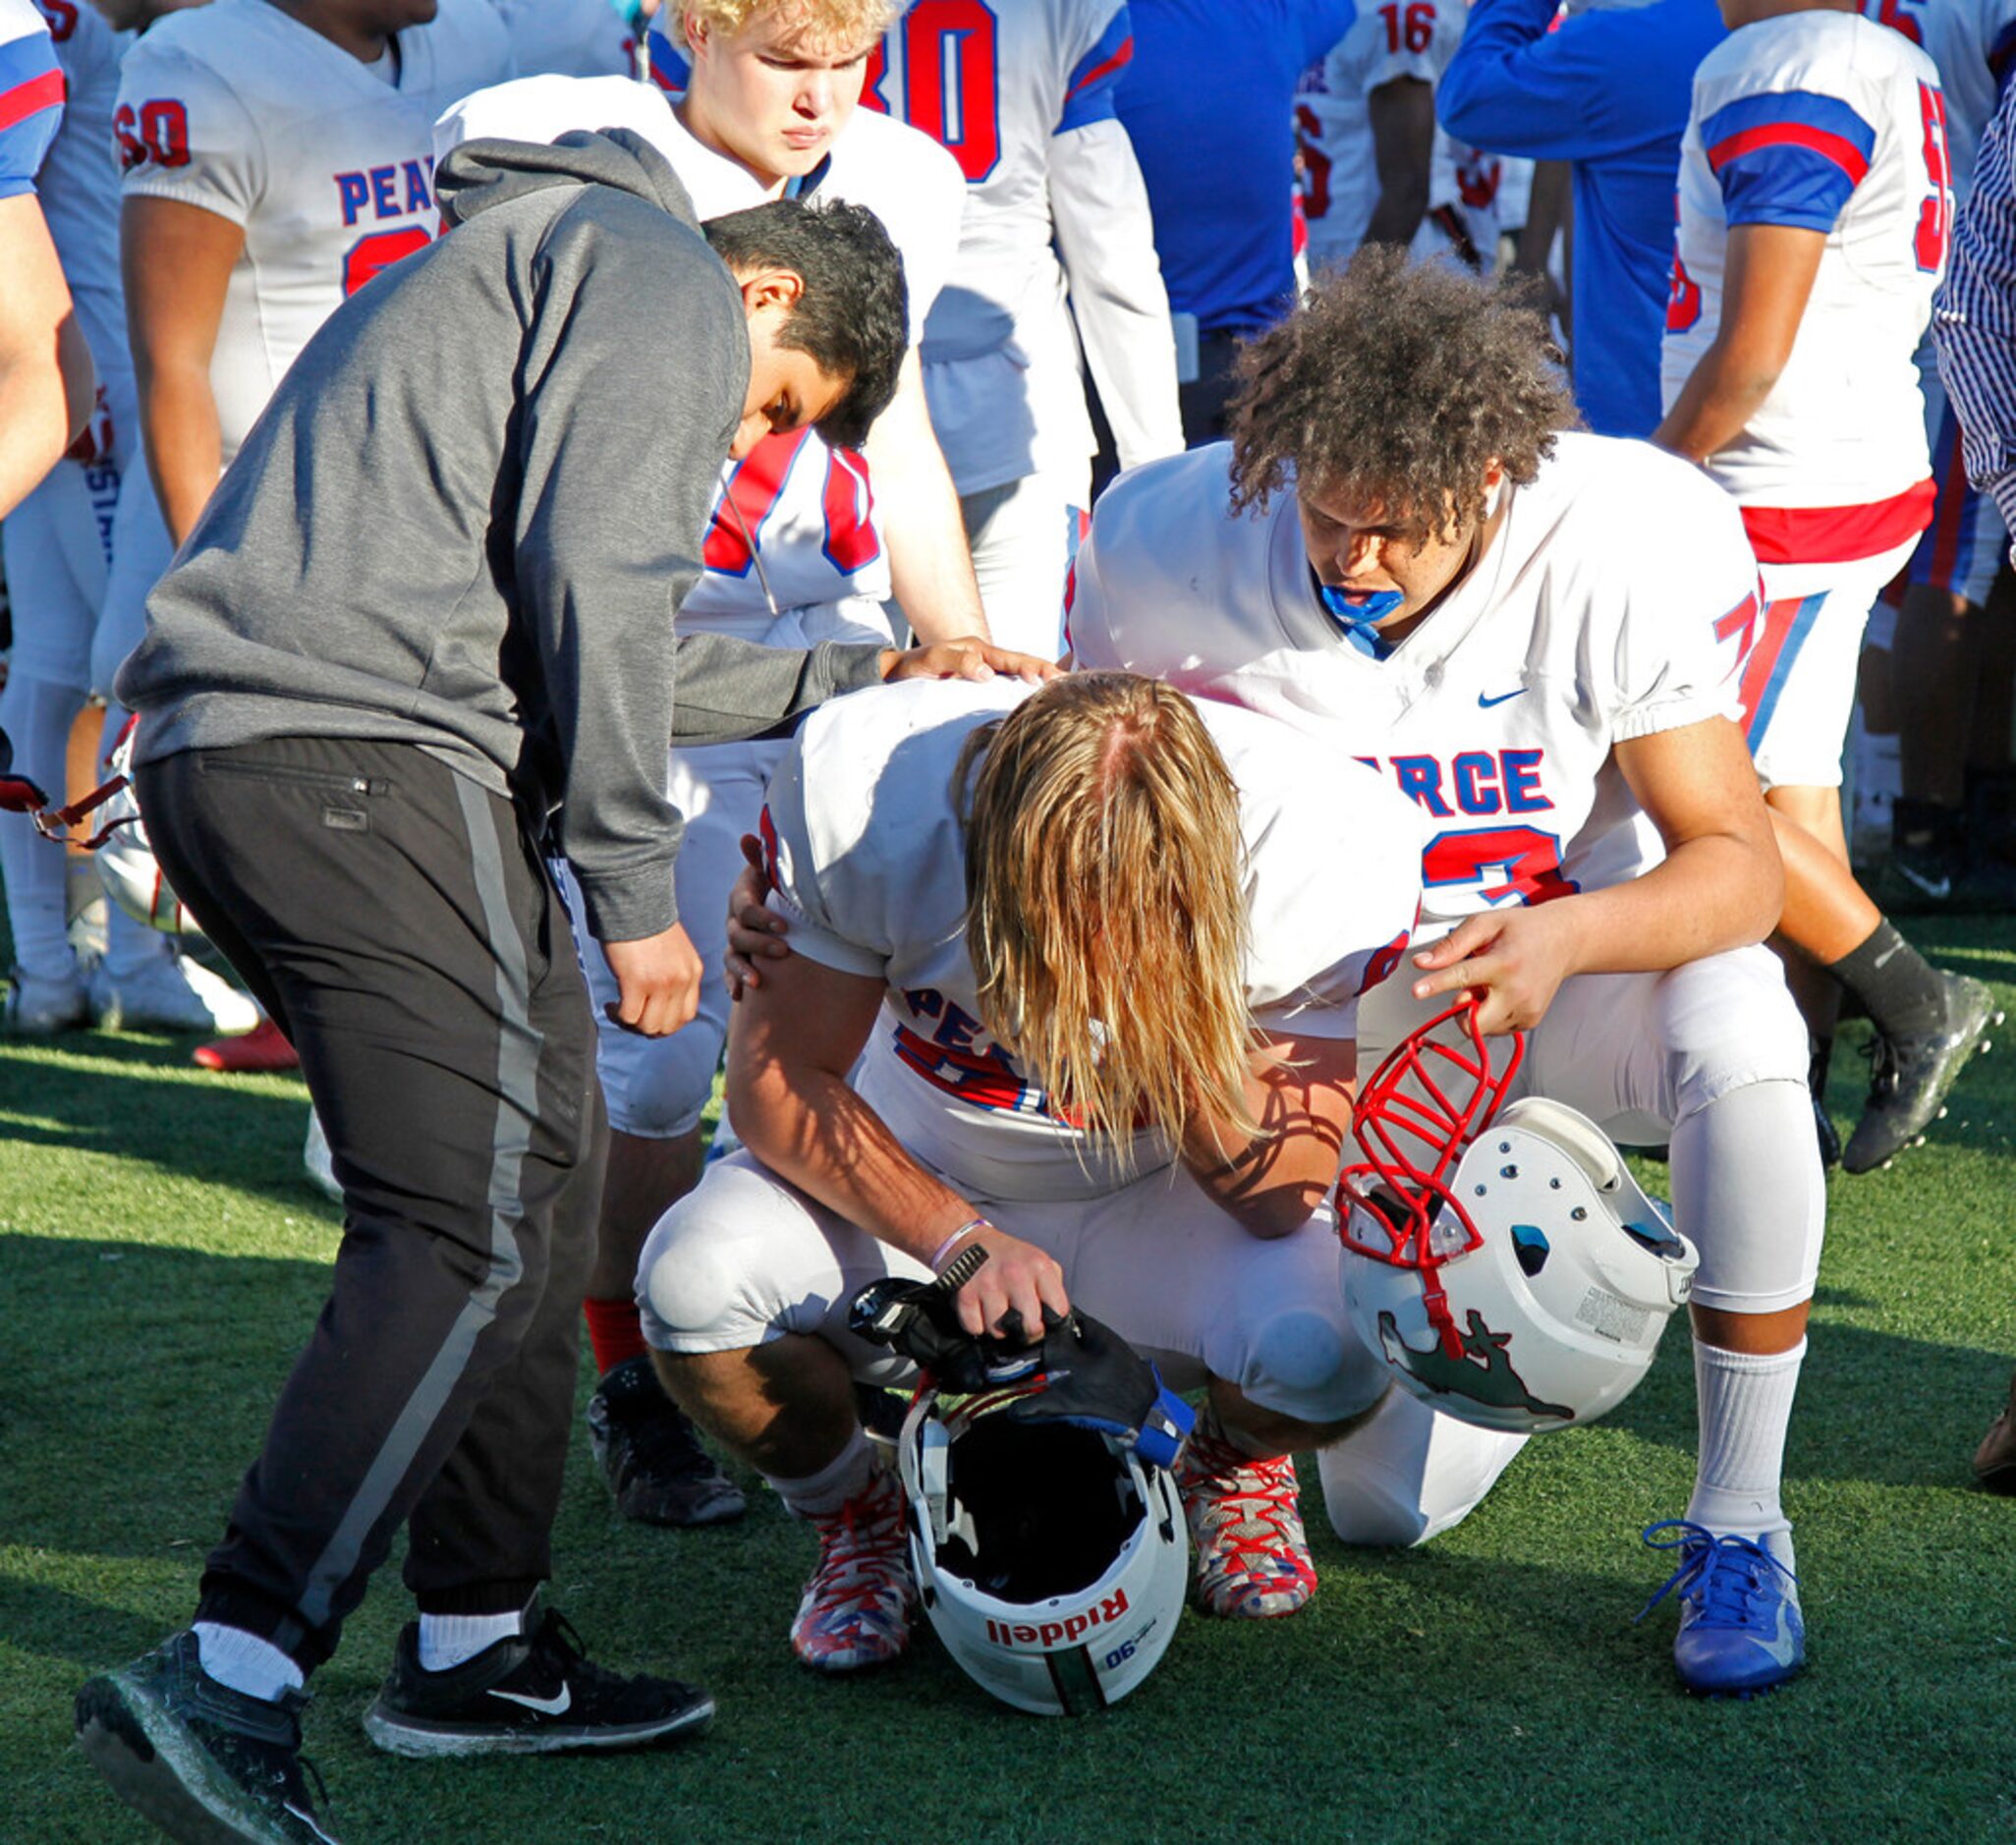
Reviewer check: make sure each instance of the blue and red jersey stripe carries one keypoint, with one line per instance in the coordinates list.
(1089, 95)
(1790, 157)
(30, 109)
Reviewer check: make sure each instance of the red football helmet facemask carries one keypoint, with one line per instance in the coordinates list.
(1414, 1118)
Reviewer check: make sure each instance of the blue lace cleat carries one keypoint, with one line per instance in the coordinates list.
(1740, 1626)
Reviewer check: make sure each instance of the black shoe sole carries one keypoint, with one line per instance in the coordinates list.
(400, 1733)
(160, 1771)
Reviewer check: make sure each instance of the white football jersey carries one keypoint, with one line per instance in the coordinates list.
(867, 859)
(999, 87)
(239, 109)
(806, 508)
(1827, 122)
(30, 96)
(80, 186)
(1615, 602)
(1390, 39)
(1973, 46)
(568, 38)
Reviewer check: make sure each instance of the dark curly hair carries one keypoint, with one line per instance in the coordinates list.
(1395, 385)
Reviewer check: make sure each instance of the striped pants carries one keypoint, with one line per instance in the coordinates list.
(396, 921)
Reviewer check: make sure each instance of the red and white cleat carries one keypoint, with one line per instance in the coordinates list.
(856, 1610)
(1253, 1556)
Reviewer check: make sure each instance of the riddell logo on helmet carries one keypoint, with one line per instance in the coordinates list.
(1049, 1633)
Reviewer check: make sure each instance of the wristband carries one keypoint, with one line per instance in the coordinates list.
(957, 1237)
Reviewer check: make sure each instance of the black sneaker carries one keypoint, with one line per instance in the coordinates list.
(1995, 1461)
(1927, 852)
(1823, 1129)
(531, 1695)
(202, 1761)
(652, 1455)
(1910, 1075)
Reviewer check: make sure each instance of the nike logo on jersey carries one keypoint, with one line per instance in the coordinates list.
(546, 1707)
(1484, 705)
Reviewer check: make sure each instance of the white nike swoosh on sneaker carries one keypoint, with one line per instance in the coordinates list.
(546, 1707)
(1931, 887)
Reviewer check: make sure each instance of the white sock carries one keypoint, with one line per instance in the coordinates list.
(446, 1641)
(245, 1662)
(844, 1477)
(1745, 1402)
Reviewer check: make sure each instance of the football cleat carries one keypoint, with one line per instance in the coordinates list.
(1911, 1076)
(652, 1455)
(1995, 1461)
(856, 1608)
(1740, 1627)
(1245, 1522)
(40, 1008)
(534, 1694)
(261, 1049)
(169, 992)
(198, 1758)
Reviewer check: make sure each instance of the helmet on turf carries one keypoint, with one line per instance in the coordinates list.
(127, 865)
(1045, 1530)
(1504, 1262)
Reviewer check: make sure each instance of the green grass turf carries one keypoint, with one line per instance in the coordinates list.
(161, 1261)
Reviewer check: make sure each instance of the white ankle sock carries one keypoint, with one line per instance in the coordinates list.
(245, 1662)
(844, 1477)
(1745, 1402)
(446, 1641)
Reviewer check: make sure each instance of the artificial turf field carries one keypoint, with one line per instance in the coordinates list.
(161, 1258)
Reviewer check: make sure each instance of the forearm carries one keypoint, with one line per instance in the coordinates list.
(1711, 894)
(1716, 403)
(810, 1128)
(1516, 88)
(730, 689)
(930, 568)
(1271, 1181)
(42, 409)
(185, 442)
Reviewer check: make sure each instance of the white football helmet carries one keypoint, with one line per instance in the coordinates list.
(127, 865)
(1517, 1278)
(1051, 1559)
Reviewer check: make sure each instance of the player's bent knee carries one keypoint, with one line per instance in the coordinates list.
(696, 1289)
(666, 1087)
(1305, 1362)
(1743, 1029)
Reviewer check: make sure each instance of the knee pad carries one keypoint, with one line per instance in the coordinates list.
(1305, 1361)
(1408, 1473)
(668, 1083)
(688, 1283)
(1369, 1512)
(1726, 1022)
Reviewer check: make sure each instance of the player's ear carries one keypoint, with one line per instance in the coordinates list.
(695, 27)
(774, 288)
(1494, 474)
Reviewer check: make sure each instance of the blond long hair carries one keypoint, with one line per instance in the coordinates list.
(821, 25)
(1105, 911)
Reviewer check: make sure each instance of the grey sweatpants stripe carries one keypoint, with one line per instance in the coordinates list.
(518, 1105)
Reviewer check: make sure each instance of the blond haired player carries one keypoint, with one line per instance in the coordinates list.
(808, 543)
(1100, 950)
(1535, 634)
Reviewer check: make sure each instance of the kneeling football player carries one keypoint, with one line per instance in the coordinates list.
(1098, 953)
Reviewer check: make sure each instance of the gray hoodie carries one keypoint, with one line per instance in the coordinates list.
(470, 511)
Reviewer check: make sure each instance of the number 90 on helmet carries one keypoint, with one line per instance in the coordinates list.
(1051, 1560)
(1503, 1263)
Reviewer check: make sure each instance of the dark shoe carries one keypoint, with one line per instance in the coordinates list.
(1910, 1075)
(1927, 852)
(205, 1764)
(1995, 1461)
(531, 1695)
(652, 1455)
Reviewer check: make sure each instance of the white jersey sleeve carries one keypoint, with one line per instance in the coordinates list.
(30, 96)
(568, 38)
(1823, 121)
